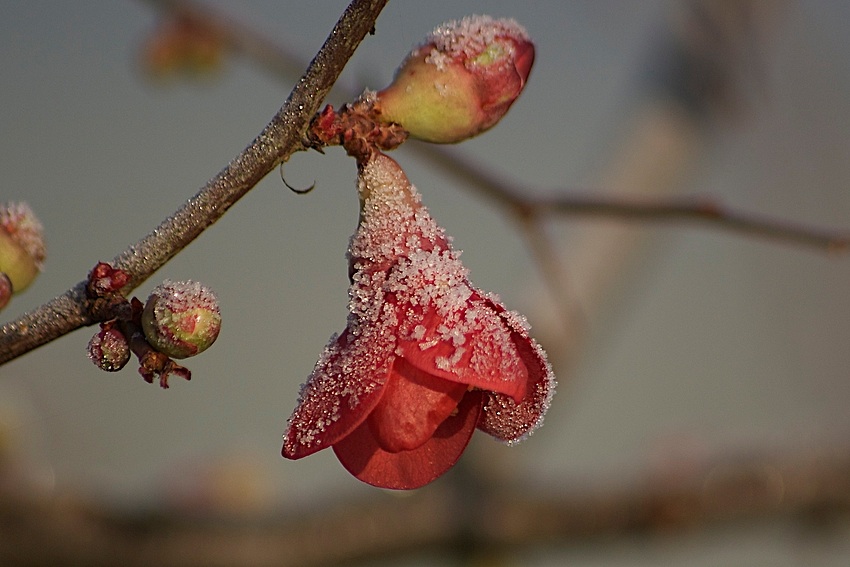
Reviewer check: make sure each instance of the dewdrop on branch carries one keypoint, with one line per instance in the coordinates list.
(425, 359)
(181, 319)
(460, 81)
(22, 250)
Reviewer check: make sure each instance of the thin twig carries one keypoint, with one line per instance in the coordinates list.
(279, 140)
(688, 209)
(706, 210)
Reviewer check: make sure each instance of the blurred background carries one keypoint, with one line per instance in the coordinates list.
(690, 350)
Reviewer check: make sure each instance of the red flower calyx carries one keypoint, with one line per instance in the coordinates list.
(460, 81)
(425, 358)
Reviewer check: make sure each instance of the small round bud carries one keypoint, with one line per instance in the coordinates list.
(22, 249)
(461, 81)
(181, 319)
(105, 280)
(108, 349)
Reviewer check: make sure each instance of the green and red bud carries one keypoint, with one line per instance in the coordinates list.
(22, 248)
(181, 319)
(461, 81)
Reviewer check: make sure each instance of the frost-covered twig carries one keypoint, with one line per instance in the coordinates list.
(280, 139)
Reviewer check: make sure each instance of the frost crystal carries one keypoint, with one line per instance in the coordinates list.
(471, 37)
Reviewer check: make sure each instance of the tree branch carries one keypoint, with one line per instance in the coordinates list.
(279, 140)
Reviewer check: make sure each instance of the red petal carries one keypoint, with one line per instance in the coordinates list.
(361, 455)
(343, 388)
(524, 59)
(472, 346)
(413, 405)
(502, 416)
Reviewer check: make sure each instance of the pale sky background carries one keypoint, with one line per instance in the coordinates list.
(719, 341)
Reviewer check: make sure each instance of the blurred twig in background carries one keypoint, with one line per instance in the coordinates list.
(811, 488)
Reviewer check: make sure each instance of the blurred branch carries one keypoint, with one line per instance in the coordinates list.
(279, 140)
(811, 488)
(523, 201)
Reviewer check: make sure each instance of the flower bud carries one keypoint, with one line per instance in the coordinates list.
(181, 319)
(21, 244)
(461, 81)
(108, 349)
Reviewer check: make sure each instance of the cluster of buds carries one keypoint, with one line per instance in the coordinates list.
(179, 320)
(22, 249)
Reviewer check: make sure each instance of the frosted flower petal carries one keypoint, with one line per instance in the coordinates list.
(503, 417)
(343, 388)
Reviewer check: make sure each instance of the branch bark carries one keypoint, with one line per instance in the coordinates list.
(274, 145)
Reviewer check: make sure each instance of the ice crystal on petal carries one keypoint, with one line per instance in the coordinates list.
(503, 417)
(343, 387)
(472, 36)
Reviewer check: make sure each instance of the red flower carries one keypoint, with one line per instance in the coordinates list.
(425, 358)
